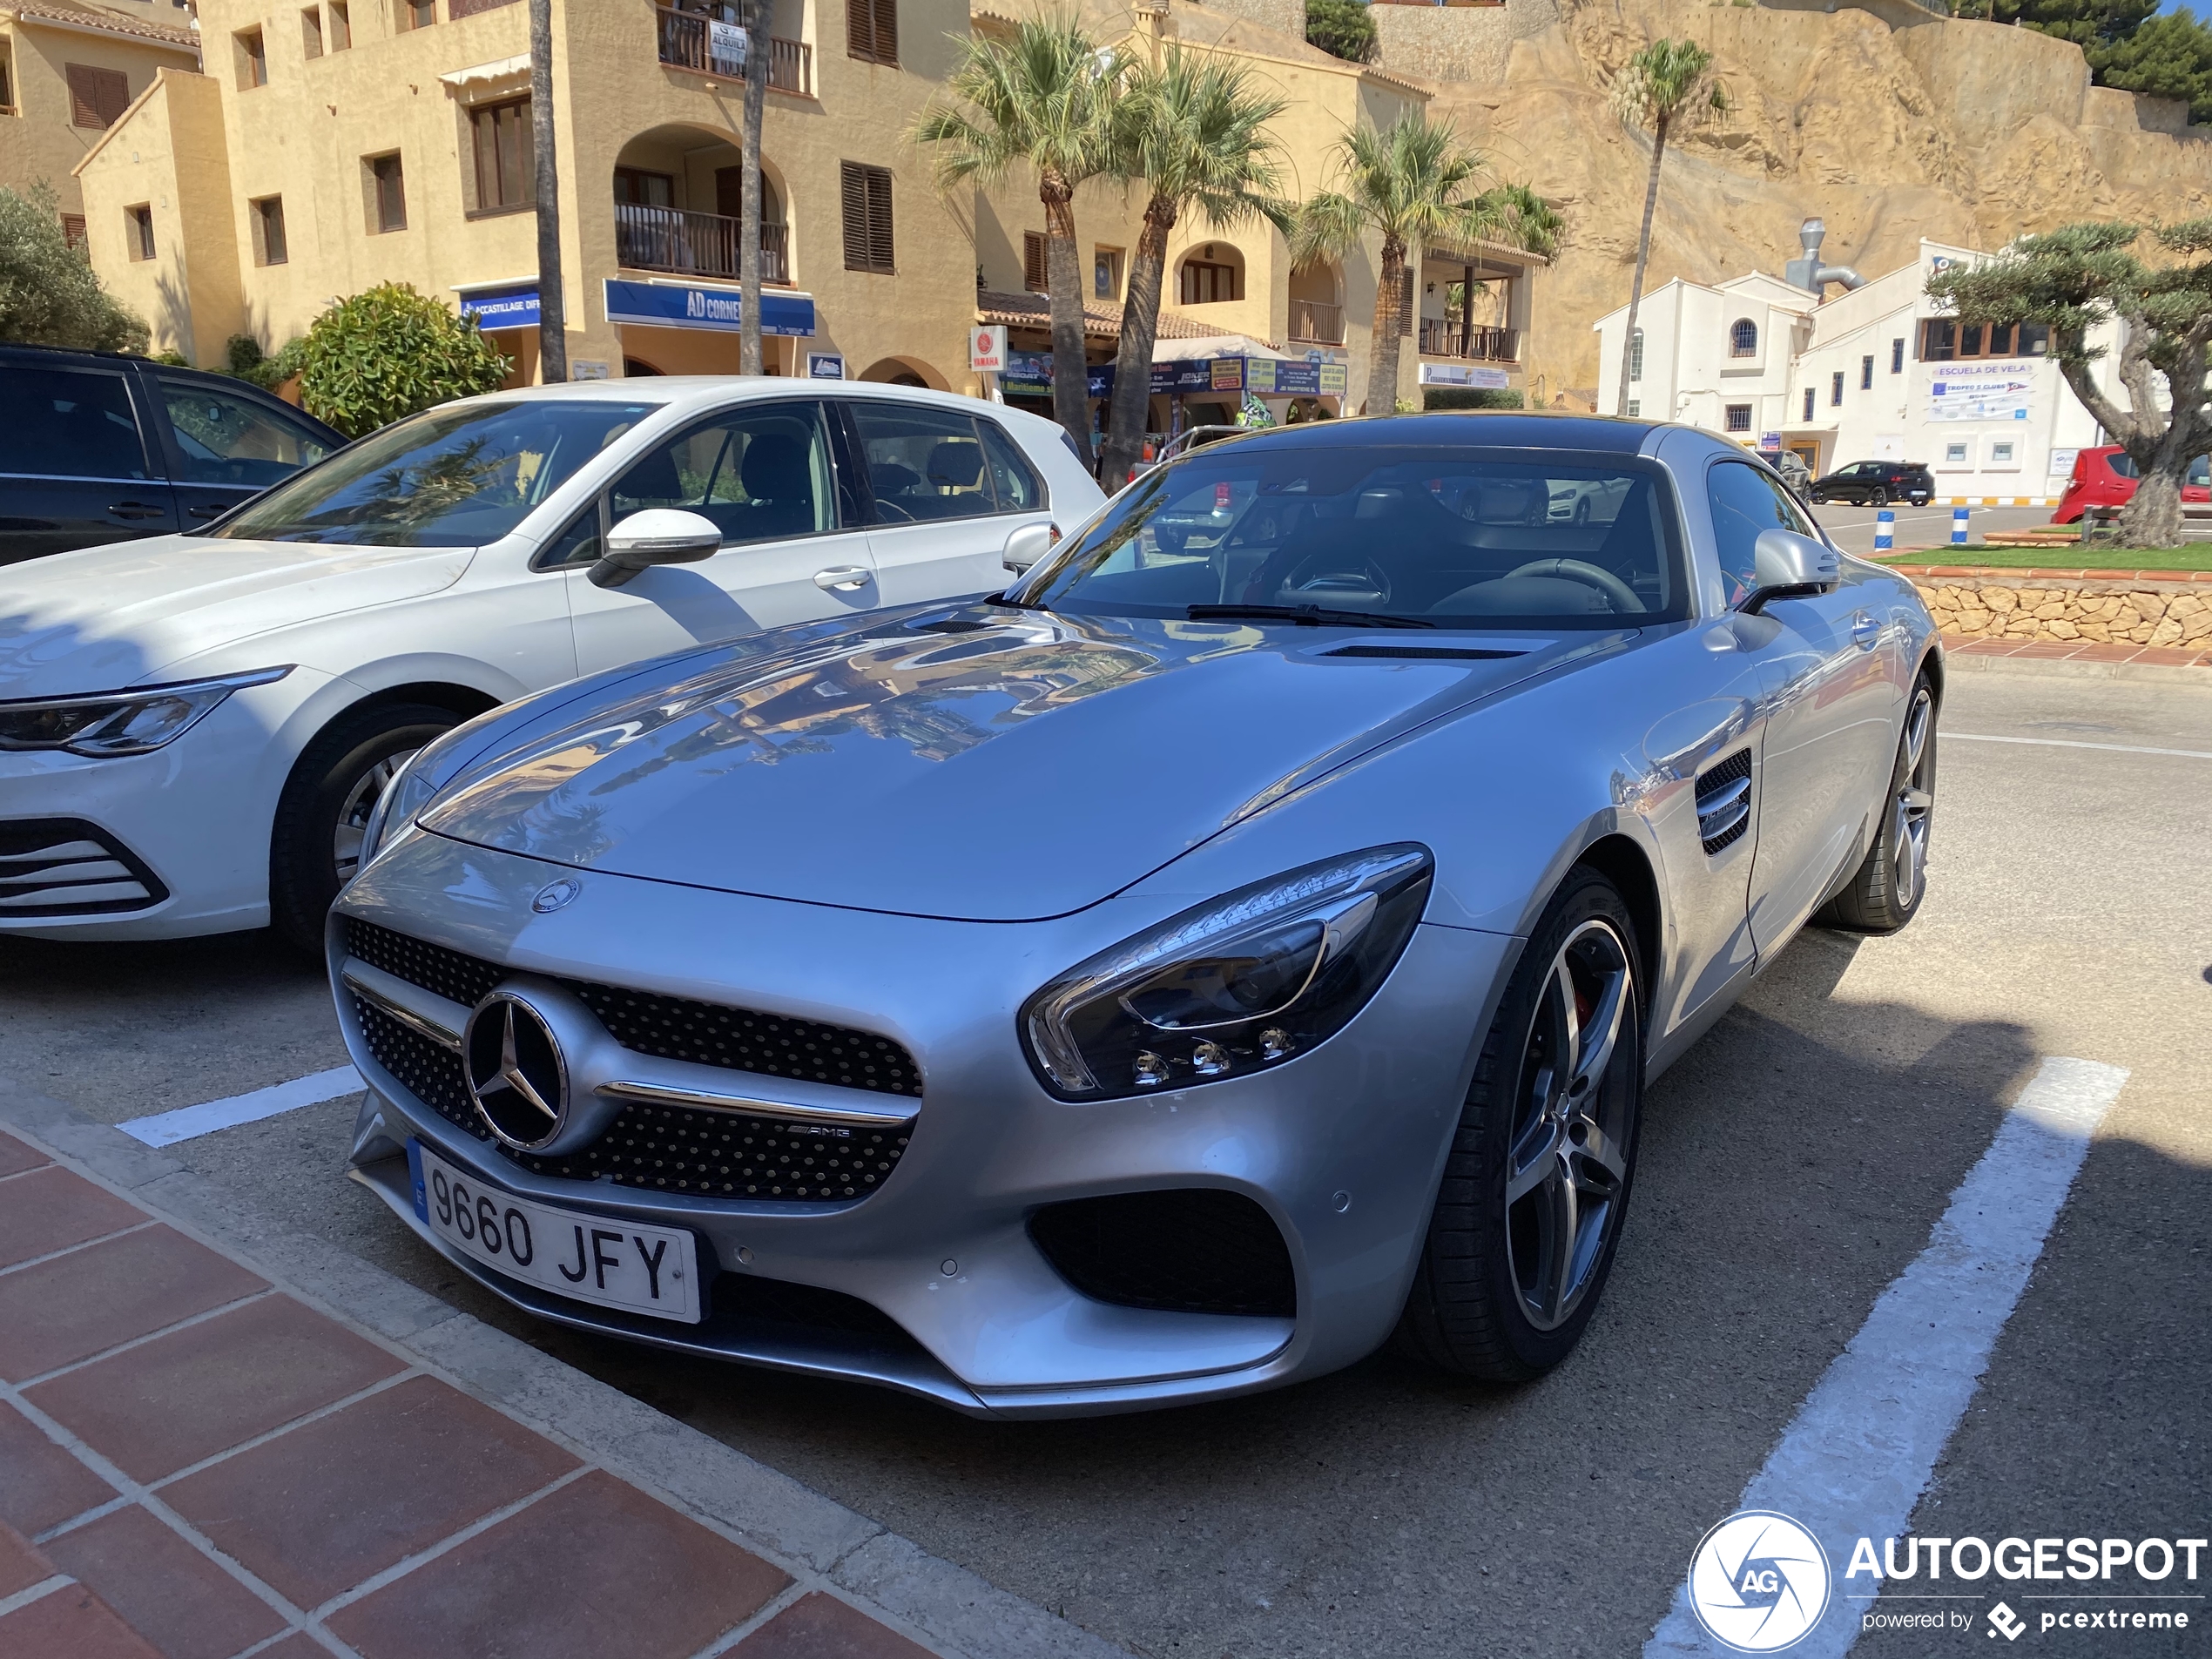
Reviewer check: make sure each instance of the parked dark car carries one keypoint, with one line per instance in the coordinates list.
(98, 448)
(1876, 484)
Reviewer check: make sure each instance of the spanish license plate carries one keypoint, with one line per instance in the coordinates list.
(623, 1265)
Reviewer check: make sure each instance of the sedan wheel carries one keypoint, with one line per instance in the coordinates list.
(1537, 1183)
(1878, 497)
(1886, 891)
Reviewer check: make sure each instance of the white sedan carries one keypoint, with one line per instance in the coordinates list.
(194, 729)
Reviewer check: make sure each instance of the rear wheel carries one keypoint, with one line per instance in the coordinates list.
(1878, 497)
(315, 846)
(1886, 891)
(1526, 1220)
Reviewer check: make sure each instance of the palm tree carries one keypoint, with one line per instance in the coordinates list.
(756, 70)
(1041, 99)
(1669, 82)
(545, 192)
(1413, 183)
(1193, 129)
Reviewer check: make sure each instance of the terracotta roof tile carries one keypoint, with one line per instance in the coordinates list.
(1101, 318)
(104, 22)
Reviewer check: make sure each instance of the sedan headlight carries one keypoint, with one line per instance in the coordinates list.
(1236, 986)
(134, 722)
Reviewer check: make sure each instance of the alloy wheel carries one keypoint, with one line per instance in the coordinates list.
(355, 811)
(1915, 802)
(1567, 1166)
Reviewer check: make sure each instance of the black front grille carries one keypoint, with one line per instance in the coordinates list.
(672, 1027)
(65, 867)
(1196, 1250)
(1724, 801)
(728, 1155)
(431, 1071)
(740, 1296)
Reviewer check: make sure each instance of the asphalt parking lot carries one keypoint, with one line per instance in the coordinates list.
(1793, 1165)
(1930, 527)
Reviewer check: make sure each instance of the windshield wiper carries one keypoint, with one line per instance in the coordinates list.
(1306, 616)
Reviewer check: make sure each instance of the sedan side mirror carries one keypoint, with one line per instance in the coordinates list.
(658, 536)
(1786, 565)
(1029, 544)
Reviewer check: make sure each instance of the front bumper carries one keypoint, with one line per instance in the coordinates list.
(1341, 1148)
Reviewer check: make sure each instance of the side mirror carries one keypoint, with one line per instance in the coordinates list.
(1786, 565)
(658, 536)
(1029, 544)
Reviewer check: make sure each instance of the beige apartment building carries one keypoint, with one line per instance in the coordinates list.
(69, 68)
(331, 145)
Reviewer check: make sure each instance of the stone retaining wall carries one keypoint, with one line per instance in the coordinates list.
(2114, 609)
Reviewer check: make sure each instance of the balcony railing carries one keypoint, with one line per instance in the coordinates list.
(686, 42)
(1484, 345)
(668, 239)
(1316, 323)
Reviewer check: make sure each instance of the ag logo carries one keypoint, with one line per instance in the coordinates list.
(1758, 1582)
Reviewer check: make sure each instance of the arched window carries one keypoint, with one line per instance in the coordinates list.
(1744, 338)
(1635, 355)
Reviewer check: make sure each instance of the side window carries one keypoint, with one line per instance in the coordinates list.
(226, 439)
(2199, 472)
(1014, 480)
(761, 473)
(923, 463)
(579, 544)
(1745, 503)
(69, 423)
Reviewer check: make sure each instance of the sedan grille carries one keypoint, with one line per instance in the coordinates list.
(65, 866)
(1724, 801)
(729, 1155)
(1199, 1250)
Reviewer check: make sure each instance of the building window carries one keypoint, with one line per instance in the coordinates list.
(417, 14)
(872, 30)
(137, 225)
(866, 193)
(1866, 374)
(269, 230)
(1938, 340)
(7, 84)
(1034, 269)
(386, 184)
(1836, 389)
(1201, 282)
(506, 171)
(1739, 417)
(1636, 407)
(252, 59)
(1106, 273)
(1954, 455)
(1897, 357)
(97, 96)
(1809, 398)
(1635, 355)
(1744, 338)
(645, 189)
(73, 231)
(341, 25)
(2001, 452)
(311, 32)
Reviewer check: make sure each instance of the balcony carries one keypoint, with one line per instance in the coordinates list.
(686, 42)
(1441, 339)
(1315, 323)
(668, 239)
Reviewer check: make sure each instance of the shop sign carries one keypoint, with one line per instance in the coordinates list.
(678, 305)
(1980, 391)
(1494, 380)
(987, 348)
(726, 45)
(501, 308)
(825, 366)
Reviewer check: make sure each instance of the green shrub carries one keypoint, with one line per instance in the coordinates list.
(390, 352)
(48, 293)
(243, 358)
(1343, 29)
(1472, 397)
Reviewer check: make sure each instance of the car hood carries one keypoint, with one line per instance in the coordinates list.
(106, 617)
(988, 765)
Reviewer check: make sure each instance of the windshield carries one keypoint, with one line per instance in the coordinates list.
(1459, 537)
(451, 477)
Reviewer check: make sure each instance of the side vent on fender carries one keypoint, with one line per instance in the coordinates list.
(1724, 801)
(1425, 653)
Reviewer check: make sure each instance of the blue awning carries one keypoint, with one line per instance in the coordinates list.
(681, 305)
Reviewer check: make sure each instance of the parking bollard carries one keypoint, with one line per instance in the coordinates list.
(1959, 516)
(1884, 531)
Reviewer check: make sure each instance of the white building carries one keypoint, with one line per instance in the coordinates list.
(1877, 372)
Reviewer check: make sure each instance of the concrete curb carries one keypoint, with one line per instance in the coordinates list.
(960, 1613)
(2069, 668)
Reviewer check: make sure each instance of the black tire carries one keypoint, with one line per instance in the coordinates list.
(1885, 892)
(1819, 501)
(1471, 1310)
(1877, 497)
(335, 777)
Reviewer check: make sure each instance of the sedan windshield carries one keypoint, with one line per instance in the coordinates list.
(451, 477)
(1459, 537)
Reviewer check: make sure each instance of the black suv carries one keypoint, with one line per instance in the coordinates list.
(99, 447)
(1876, 484)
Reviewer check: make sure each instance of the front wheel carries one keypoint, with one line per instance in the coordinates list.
(1878, 498)
(1886, 891)
(1534, 1190)
(315, 846)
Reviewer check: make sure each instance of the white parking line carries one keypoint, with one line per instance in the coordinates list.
(2069, 743)
(1855, 1460)
(188, 1122)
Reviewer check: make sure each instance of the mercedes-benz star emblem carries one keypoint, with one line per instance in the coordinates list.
(552, 898)
(516, 1071)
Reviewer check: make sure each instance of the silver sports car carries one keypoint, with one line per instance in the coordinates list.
(1222, 953)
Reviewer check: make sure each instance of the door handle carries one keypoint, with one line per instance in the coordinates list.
(1866, 630)
(137, 509)
(841, 579)
(207, 512)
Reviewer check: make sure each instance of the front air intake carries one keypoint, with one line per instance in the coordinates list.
(1194, 1250)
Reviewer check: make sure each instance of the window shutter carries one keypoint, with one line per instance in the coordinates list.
(872, 30)
(886, 30)
(866, 193)
(879, 218)
(97, 96)
(855, 190)
(1033, 263)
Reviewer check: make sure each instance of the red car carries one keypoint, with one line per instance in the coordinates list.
(2106, 477)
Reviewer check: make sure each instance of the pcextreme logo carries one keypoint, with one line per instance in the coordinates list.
(1758, 1582)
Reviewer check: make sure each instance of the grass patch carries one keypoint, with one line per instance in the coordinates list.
(2065, 555)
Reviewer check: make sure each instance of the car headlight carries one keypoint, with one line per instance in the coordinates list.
(135, 722)
(391, 821)
(1238, 985)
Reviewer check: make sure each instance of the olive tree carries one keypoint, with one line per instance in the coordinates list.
(2076, 278)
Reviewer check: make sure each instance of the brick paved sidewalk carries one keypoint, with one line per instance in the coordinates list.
(194, 1464)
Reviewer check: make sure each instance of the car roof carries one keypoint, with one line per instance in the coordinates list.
(1498, 429)
(684, 391)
